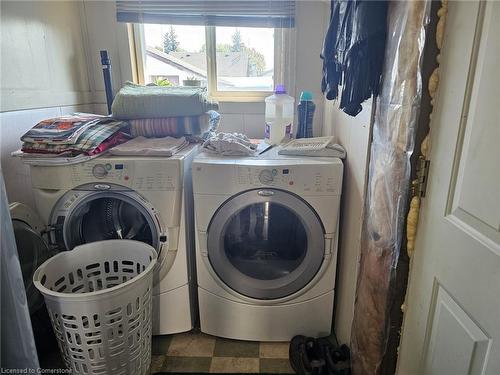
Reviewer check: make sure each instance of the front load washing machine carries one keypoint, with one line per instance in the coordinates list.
(147, 199)
(266, 244)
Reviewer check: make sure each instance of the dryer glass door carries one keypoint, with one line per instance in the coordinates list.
(266, 244)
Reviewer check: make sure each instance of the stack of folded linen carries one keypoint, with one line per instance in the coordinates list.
(159, 111)
(142, 146)
(175, 126)
(72, 137)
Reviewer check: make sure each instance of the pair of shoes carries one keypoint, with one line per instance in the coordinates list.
(337, 358)
(305, 356)
(309, 356)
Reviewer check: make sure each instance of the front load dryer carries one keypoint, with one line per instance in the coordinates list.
(147, 199)
(266, 245)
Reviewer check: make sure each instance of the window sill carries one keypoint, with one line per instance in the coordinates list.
(241, 96)
(239, 99)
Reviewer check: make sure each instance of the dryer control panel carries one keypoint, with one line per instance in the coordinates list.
(296, 178)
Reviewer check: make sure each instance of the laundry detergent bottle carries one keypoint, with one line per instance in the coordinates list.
(305, 111)
(279, 116)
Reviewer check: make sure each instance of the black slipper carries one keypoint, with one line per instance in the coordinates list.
(305, 356)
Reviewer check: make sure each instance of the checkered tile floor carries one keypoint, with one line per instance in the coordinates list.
(196, 352)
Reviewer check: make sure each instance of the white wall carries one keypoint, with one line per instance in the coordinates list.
(103, 32)
(44, 73)
(353, 133)
(50, 53)
(43, 55)
(312, 17)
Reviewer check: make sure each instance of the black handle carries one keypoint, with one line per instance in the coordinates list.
(106, 71)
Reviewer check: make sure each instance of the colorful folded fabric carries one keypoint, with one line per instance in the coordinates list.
(134, 102)
(89, 140)
(175, 126)
(64, 129)
(115, 140)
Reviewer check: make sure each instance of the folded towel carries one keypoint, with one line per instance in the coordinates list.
(229, 144)
(146, 102)
(175, 126)
(142, 146)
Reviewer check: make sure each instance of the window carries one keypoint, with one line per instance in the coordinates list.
(234, 48)
(244, 58)
(175, 55)
(231, 62)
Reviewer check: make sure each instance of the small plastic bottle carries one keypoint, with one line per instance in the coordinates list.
(305, 109)
(279, 116)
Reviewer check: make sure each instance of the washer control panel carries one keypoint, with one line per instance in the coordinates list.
(108, 171)
(138, 175)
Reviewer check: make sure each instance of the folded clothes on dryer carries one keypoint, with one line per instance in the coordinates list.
(229, 144)
(142, 146)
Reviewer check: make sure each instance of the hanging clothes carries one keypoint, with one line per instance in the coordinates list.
(353, 52)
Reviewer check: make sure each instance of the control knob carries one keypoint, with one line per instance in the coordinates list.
(99, 171)
(266, 177)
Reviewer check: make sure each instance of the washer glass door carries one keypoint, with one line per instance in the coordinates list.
(266, 244)
(109, 215)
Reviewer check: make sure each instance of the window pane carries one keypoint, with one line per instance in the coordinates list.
(175, 55)
(245, 59)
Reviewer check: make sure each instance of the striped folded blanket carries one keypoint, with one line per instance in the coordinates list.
(175, 126)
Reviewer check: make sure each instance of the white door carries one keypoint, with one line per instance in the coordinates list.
(452, 324)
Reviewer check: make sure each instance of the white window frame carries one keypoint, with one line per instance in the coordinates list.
(284, 63)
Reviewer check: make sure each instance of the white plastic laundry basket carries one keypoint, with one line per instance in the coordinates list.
(99, 300)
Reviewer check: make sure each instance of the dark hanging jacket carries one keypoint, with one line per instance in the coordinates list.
(353, 52)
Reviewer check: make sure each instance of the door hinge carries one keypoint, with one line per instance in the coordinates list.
(419, 185)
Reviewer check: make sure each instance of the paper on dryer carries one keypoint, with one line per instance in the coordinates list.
(318, 146)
